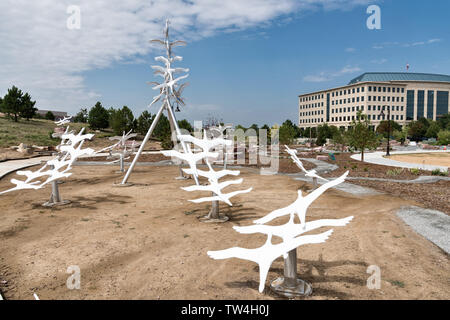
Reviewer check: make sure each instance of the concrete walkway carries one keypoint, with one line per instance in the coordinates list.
(378, 158)
(431, 224)
(14, 165)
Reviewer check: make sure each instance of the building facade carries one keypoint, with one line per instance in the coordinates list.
(409, 96)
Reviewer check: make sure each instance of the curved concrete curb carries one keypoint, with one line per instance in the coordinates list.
(378, 158)
(431, 224)
(421, 179)
(9, 166)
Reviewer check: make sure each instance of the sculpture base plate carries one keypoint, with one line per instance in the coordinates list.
(122, 185)
(302, 289)
(56, 204)
(118, 171)
(221, 219)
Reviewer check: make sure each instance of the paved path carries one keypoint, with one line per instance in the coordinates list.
(14, 165)
(421, 179)
(431, 224)
(378, 158)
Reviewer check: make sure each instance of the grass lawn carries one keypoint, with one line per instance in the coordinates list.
(34, 132)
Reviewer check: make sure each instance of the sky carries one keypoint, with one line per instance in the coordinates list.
(248, 60)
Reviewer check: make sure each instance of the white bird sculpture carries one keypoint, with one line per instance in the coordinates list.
(63, 121)
(300, 205)
(310, 173)
(265, 255)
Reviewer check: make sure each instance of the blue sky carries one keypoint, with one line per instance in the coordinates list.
(249, 75)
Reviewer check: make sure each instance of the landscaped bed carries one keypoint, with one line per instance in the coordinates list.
(146, 242)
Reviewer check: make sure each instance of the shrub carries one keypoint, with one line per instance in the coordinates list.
(444, 137)
(366, 169)
(438, 172)
(394, 172)
(415, 171)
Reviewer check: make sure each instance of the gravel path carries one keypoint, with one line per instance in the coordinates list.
(378, 158)
(431, 224)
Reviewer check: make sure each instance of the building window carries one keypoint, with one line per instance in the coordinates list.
(442, 103)
(410, 105)
(420, 104)
(430, 104)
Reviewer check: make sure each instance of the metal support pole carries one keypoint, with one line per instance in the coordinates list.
(290, 285)
(186, 148)
(388, 152)
(315, 182)
(141, 147)
(55, 198)
(122, 168)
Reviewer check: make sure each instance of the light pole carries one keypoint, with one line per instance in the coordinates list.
(389, 130)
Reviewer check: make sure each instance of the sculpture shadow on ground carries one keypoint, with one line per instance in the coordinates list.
(81, 202)
(306, 268)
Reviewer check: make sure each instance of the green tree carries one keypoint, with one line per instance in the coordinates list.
(81, 116)
(401, 135)
(28, 110)
(267, 128)
(433, 130)
(144, 122)
(98, 117)
(383, 128)
(121, 120)
(184, 124)
(287, 132)
(50, 116)
(162, 129)
(12, 103)
(360, 136)
(444, 121)
(444, 137)
(417, 130)
(325, 132)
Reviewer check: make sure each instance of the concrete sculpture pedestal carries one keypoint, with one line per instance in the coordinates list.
(290, 286)
(214, 215)
(55, 198)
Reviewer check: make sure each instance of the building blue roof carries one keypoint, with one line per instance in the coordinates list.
(399, 76)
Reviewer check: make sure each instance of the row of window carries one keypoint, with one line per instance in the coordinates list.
(347, 109)
(311, 105)
(316, 120)
(384, 99)
(394, 108)
(344, 101)
(312, 98)
(347, 91)
(311, 113)
(386, 89)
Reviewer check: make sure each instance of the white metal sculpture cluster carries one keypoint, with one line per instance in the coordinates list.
(311, 173)
(213, 177)
(58, 167)
(290, 232)
(170, 91)
(122, 149)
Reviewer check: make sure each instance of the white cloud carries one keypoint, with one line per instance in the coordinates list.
(350, 50)
(41, 55)
(379, 61)
(328, 76)
(406, 45)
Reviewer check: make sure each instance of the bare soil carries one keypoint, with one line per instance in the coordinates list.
(146, 242)
(436, 159)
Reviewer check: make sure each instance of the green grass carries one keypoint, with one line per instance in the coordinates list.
(394, 172)
(397, 283)
(438, 172)
(33, 132)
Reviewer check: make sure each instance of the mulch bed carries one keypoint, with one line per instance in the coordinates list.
(368, 170)
(430, 195)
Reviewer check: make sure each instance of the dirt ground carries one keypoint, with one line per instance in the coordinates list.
(145, 242)
(435, 159)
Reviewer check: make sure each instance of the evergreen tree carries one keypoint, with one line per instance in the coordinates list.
(184, 124)
(98, 117)
(121, 120)
(28, 110)
(12, 103)
(50, 116)
(81, 116)
(144, 122)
